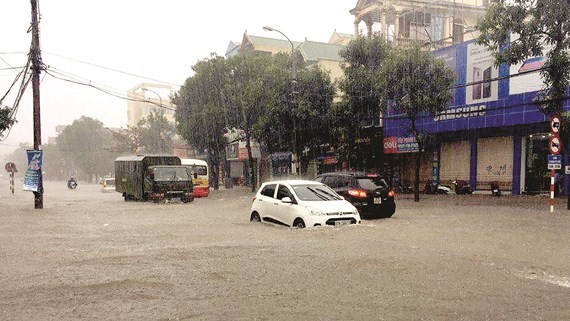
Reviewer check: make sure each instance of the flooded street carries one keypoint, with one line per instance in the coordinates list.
(90, 255)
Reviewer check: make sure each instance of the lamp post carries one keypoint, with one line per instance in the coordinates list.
(294, 169)
(160, 98)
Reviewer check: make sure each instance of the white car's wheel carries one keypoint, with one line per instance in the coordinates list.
(255, 217)
(299, 223)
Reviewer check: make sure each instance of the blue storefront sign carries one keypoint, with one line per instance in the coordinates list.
(33, 174)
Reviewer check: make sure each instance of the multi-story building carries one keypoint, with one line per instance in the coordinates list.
(145, 98)
(435, 22)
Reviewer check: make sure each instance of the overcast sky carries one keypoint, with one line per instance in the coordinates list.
(156, 39)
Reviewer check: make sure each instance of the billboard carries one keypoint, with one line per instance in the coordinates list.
(34, 171)
(399, 145)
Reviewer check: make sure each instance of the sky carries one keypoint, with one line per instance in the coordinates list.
(159, 40)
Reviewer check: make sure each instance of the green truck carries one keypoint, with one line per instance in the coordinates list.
(153, 178)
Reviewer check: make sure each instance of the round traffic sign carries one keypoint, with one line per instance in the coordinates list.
(10, 167)
(554, 145)
(555, 124)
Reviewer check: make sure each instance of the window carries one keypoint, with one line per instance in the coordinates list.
(268, 190)
(283, 191)
(331, 181)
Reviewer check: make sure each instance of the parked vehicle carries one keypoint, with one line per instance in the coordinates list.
(432, 188)
(153, 178)
(298, 203)
(199, 171)
(495, 190)
(369, 193)
(462, 187)
(108, 184)
(405, 188)
(72, 183)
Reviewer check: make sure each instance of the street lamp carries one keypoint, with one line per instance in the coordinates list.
(160, 98)
(294, 93)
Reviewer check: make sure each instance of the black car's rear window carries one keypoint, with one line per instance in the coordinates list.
(315, 193)
(371, 183)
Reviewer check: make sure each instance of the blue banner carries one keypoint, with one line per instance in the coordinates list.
(34, 171)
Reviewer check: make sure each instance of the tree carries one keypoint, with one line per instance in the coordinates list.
(154, 134)
(361, 100)
(6, 121)
(201, 114)
(246, 94)
(417, 84)
(88, 145)
(541, 28)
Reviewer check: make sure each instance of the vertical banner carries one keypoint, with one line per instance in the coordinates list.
(34, 171)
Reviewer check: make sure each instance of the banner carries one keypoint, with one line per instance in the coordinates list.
(398, 145)
(34, 171)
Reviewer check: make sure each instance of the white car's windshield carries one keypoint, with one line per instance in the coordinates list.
(315, 193)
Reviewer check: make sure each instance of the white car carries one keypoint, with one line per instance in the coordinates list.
(301, 203)
(108, 185)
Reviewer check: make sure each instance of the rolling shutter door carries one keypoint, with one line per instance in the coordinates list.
(495, 161)
(455, 159)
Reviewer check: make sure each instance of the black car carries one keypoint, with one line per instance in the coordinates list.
(370, 194)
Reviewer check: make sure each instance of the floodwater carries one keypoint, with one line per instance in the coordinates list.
(90, 255)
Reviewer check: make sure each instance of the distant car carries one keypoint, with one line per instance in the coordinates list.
(108, 185)
(369, 193)
(298, 203)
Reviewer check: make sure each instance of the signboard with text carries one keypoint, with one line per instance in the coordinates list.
(398, 145)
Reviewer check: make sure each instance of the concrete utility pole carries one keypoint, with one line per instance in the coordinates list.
(35, 55)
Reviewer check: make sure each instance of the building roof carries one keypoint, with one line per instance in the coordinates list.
(314, 51)
(270, 42)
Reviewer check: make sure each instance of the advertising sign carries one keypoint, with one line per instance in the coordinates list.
(480, 72)
(398, 145)
(34, 171)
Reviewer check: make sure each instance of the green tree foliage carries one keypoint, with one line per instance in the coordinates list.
(417, 84)
(362, 99)
(89, 147)
(5, 120)
(55, 165)
(201, 113)
(313, 111)
(246, 94)
(543, 29)
(154, 134)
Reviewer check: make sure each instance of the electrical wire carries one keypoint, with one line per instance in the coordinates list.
(112, 69)
(106, 91)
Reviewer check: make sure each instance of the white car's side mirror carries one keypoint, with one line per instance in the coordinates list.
(341, 197)
(286, 200)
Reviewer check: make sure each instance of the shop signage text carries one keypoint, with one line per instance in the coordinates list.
(462, 112)
(397, 145)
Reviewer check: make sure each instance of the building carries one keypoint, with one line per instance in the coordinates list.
(438, 23)
(492, 131)
(145, 98)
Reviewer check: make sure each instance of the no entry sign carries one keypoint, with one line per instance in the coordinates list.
(554, 145)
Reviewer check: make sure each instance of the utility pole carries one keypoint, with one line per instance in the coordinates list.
(35, 55)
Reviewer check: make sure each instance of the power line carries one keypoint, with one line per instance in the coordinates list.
(106, 91)
(112, 69)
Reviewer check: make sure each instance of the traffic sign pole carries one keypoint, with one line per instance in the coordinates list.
(552, 191)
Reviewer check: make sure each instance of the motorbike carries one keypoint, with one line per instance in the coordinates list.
(72, 184)
(405, 189)
(462, 187)
(431, 188)
(495, 190)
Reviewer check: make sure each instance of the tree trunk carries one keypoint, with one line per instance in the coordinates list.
(251, 161)
(417, 174)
